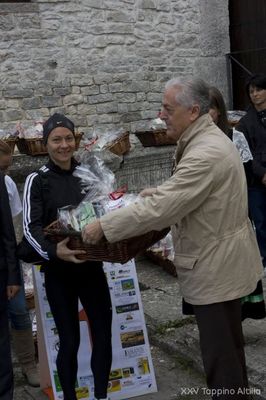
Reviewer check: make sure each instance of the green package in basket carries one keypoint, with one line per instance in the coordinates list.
(82, 215)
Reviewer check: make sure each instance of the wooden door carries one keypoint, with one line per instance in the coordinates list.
(248, 44)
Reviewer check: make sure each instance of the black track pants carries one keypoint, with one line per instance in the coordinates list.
(63, 289)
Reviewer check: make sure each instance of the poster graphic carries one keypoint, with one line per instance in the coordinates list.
(132, 372)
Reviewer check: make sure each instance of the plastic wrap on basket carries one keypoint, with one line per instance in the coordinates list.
(98, 182)
(96, 179)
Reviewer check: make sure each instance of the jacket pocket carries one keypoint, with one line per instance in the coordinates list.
(185, 261)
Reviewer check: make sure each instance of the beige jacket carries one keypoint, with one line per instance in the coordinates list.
(205, 202)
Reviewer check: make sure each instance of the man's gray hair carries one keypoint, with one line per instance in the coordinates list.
(193, 91)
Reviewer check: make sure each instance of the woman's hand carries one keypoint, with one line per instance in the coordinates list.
(66, 254)
(93, 232)
(148, 192)
(12, 291)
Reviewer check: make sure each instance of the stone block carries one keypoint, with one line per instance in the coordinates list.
(33, 102)
(51, 101)
(116, 87)
(100, 98)
(125, 97)
(62, 91)
(109, 107)
(12, 115)
(81, 80)
(73, 99)
(131, 116)
(90, 90)
(99, 78)
(17, 93)
(119, 16)
(147, 4)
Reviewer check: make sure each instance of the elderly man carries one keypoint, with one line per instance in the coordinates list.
(205, 203)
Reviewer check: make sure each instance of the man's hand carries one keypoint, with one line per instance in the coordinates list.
(263, 181)
(93, 232)
(64, 253)
(12, 290)
(148, 192)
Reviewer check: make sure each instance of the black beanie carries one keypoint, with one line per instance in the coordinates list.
(55, 121)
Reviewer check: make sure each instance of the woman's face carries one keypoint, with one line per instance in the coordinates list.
(61, 145)
(5, 162)
(214, 113)
(258, 97)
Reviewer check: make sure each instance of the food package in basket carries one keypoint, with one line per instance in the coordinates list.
(98, 184)
(116, 141)
(9, 136)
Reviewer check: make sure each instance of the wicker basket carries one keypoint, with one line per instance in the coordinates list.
(11, 143)
(154, 138)
(32, 147)
(119, 252)
(163, 262)
(120, 146)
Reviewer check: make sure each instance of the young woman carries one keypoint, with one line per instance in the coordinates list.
(253, 126)
(218, 110)
(67, 279)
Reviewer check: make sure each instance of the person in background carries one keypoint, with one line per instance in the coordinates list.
(205, 203)
(218, 111)
(253, 305)
(67, 278)
(253, 126)
(9, 287)
(21, 327)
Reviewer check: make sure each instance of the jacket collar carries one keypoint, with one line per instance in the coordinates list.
(198, 127)
(54, 167)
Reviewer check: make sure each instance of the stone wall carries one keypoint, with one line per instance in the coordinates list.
(142, 167)
(104, 62)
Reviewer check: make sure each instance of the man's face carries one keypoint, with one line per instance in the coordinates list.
(177, 117)
(258, 97)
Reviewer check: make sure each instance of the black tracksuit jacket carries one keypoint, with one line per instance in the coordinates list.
(45, 191)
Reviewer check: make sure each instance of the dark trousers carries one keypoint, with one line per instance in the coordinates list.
(6, 371)
(222, 348)
(257, 211)
(63, 289)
